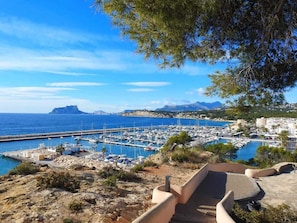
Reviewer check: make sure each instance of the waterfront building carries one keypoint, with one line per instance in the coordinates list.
(275, 126)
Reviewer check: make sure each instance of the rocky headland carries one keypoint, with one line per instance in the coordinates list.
(70, 109)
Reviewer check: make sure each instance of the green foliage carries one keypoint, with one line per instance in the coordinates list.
(222, 150)
(149, 163)
(107, 171)
(267, 156)
(122, 175)
(60, 149)
(111, 181)
(284, 136)
(24, 168)
(75, 206)
(104, 150)
(137, 168)
(67, 220)
(258, 35)
(70, 220)
(180, 157)
(186, 156)
(62, 180)
(181, 139)
(279, 214)
(127, 176)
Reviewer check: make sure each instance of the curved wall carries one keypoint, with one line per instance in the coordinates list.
(254, 173)
(224, 207)
(164, 209)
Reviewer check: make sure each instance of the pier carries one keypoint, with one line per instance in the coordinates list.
(10, 138)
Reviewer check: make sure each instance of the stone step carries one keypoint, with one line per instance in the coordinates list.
(202, 217)
(207, 210)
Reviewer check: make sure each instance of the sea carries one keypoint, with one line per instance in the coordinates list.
(16, 124)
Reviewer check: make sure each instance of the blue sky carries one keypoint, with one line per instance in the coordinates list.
(63, 52)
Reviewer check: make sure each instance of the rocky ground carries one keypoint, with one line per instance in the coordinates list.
(22, 201)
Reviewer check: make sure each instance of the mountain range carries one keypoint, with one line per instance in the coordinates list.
(191, 107)
(73, 109)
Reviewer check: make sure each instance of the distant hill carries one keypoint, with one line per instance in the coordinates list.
(100, 112)
(70, 109)
(191, 107)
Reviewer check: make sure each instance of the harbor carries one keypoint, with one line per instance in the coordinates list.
(130, 142)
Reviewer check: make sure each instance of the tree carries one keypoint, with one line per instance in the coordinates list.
(256, 38)
(283, 137)
(184, 137)
(222, 150)
(60, 149)
(103, 150)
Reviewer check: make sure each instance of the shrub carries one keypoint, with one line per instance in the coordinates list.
(67, 220)
(75, 206)
(180, 157)
(148, 163)
(279, 214)
(127, 176)
(24, 168)
(62, 180)
(137, 168)
(109, 171)
(111, 181)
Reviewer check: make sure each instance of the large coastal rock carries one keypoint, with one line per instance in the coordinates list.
(70, 109)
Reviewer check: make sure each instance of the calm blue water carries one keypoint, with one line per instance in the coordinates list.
(248, 151)
(13, 124)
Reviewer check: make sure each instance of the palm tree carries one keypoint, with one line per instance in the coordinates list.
(103, 150)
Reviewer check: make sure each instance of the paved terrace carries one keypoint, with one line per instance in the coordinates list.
(201, 207)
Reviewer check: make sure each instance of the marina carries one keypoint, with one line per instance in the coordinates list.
(131, 138)
(146, 139)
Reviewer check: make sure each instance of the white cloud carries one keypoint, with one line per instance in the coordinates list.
(22, 59)
(44, 34)
(155, 102)
(140, 89)
(31, 92)
(200, 91)
(71, 73)
(74, 84)
(147, 84)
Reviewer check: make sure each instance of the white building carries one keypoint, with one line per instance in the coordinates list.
(277, 125)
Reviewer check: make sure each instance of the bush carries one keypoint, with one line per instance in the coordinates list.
(281, 213)
(180, 157)
(24, 168)
(109, 171)
(137, 168)
(62, 180)
(111, 181)
(75, 206)
(127, 176)
(149, 163)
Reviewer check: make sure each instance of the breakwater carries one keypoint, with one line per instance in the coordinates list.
(10, 138)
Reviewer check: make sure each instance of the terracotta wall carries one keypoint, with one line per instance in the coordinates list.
(224, 207)
(188, 188)
(227, 167)
(164, 209)
(260, 172)
(161, 212)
